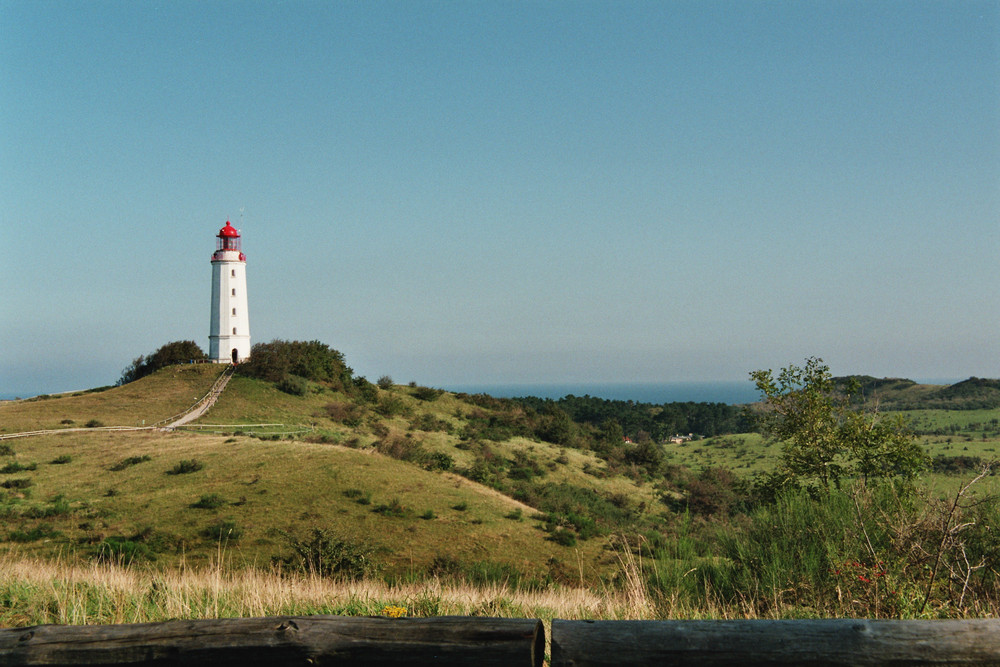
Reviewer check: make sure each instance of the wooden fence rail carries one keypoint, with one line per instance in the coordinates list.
(458, 640)
(284, 640)
(759, 642)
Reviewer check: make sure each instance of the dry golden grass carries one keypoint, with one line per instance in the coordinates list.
(40, 591)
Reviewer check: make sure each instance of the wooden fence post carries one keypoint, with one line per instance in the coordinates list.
(283, 640)
(755, 642)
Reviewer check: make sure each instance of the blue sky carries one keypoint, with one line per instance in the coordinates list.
(491, 192)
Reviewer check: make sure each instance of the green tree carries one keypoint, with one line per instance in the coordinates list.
(824, 437)
(177, 352)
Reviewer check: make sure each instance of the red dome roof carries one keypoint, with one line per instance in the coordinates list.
(228, 231)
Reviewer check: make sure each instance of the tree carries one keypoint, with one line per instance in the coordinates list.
(824, 437)
(177, 352)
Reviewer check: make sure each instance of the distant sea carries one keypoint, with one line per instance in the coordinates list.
(662, 392)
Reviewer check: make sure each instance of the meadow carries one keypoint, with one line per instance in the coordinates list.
(358, 498)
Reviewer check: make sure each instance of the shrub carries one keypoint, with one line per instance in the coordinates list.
(294, 385)
(365, 390)
(6, 450)
(428, 422)
(514, 515)
(349, 414)
(394, 508)
(94, 423)
(130, 461)
(323, 554)
(122, 551)
(14, 466)
(58, 507)
(563, 537)
(39, 532)
(390, 406)
(64, 458)
(439, 461)
(359, 496)
(209, 501)
(461, 507)
(429, 514)
(177, 352)
(67, 421)
(226, 529)
(384, 382)
(311, 360)
(186, 466)
(17, 483)
(427, 393)
(403, 449)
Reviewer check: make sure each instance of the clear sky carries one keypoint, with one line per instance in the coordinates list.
(486, 192)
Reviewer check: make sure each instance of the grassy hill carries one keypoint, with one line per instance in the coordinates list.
(376, 474)
(156, 397)
(410, 482)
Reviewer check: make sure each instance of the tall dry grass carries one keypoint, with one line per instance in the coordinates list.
(36, 591)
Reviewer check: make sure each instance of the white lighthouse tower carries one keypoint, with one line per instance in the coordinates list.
(229, 335)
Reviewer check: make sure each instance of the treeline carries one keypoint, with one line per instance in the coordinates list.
(641, 421)
(177, 352)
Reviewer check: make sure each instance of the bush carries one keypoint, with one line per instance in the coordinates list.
(394, 509)
(563, 537)
(429, 514)
(58, 507)
(390, 406)
(310, 360)
(130, 461)
(349, 414)
(177, 352)
(122, 551)
(328, 556)
(209, 501)
(384, 382)
(294, 385)
(14, 466)
(428, 422)
(64, 458)
(439, 461)
(226, 529)
(427, 393)
(6, 450)
(17, 483)
(186, 466)
(94, 423)
(39, 532)
(365, 390)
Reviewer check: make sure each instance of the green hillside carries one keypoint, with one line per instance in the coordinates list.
(310, 466)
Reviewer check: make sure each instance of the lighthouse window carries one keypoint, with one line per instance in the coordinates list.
(234, 331)
(234, 291)
(233, 273)
(234, 311)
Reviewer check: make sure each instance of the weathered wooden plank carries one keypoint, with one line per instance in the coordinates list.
(283, 640)
(756, 642)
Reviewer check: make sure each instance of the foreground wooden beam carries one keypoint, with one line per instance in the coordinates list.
(758, 642)
(284, 640)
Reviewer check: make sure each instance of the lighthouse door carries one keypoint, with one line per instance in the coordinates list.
(236, 355)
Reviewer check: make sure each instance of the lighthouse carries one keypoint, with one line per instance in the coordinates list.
(229, 334)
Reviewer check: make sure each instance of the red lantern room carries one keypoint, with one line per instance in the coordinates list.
(229, 239)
